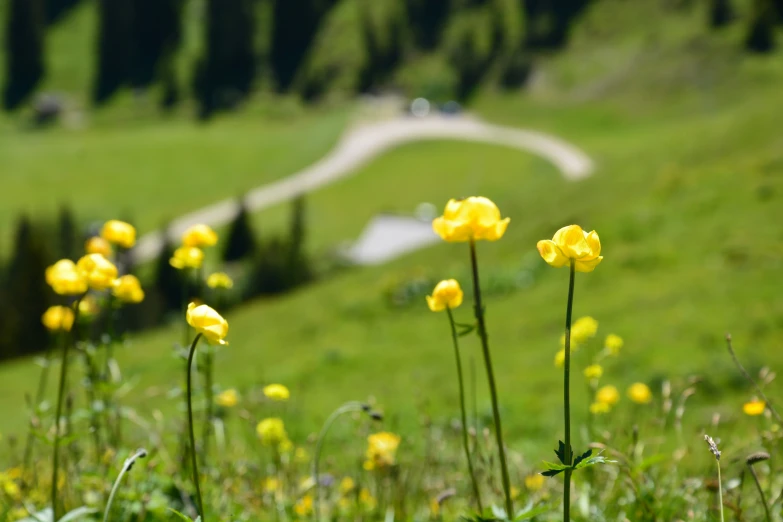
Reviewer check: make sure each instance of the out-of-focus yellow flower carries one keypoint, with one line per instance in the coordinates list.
(473, 218)
(271, 485)
(271, 431)
(58, 319)
(607, 395)
(65, 279)
(598, 408)
(128, 289)
(99, 271)
(9, 487)
(514, 492)
(187, 257)
(207, 322)
(277, 392)
(613, 343)
(534, 482)
(381, 450)
(639, 393)
(560, 358)
(304, 506)
(88, 308)
(220, 280)
(447, 294)
(594, 371)
(583, 329)
(571, 243)
(97, 245)
(367, 499)
(754, 407)
(301, 455)
(434, 508)
(227, 398)
(344, 504)
(347, 485)
(119, 232)
(199, 236)
(285, 446)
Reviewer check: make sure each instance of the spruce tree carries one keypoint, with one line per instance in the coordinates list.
(57, 9)
(67, 237)
(299, 269)
(721, 13)
(24, 43)
(168, 280)
(761, 33)
(115, 48)
(383, 32)
(241, 241)
(156, 34)
(427, 19)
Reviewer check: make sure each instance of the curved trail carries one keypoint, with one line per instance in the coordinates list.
(364, 143)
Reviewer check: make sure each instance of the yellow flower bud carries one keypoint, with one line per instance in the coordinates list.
(534, 482)
(381, 450)
(583, 329)
(97, 245)
(219, 280)
(187, 257)
(228, 398)
(597, 408)
(119, 232)
(571, 243)
(304, 506)
(613, 343)
(754, 407)
(199, 236)
(271, 431)
(58, 318)
(207, 322)
(65, 279)
(446, 294)
(347, 485)
(128, 289)
(594, 371)
(607, 395)
(640, 393)
(560, 358)
(277, 392)
(473, 218)
(99, 271)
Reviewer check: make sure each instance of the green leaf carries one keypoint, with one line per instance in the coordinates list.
(76, 514)
(560, 452)
(598, 459)
(582, 457)
(553, 469)
(181, 516)
(465, 329)
(527, 515)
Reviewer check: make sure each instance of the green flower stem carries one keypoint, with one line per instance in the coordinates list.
(129, 462)
(210, 409)
(59, 410)
(720, 493)
(345, 408)
(567, 396)
(761, 492)
(482, 331)
(454, 338)
(190, 428)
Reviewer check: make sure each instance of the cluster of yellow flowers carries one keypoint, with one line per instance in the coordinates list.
(381, 450)
(194, 239)
(608, 396)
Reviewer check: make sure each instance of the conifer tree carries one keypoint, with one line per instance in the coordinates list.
(241, 241)
(114, 48)
(24, 44)
(156, 34)
(761, 33)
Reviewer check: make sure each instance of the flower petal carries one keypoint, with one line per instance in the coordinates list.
(551, 253)
(587, 265)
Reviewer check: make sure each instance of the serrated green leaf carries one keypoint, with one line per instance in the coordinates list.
(560, 452)
(180, 515)
(582, 457)
(593, 461)
(527, 515)
(552, 472)
(554, 466)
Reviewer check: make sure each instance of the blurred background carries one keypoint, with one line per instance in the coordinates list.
(655, 122)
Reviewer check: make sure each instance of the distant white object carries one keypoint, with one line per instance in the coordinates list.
(426, 211)
(388, 237)
(420, 107)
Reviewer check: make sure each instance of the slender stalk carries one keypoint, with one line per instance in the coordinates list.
(482, 331)
(129, 462)
(39, 396)
(190, 428)
(59, 409)
(567, 395)
(720, 494)
(751, 380)
(454, 338)
(345, 408)
(761, 491)
(210, 406)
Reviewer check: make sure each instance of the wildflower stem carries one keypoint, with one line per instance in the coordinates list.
(454, 337)
(751, 380)
(190, 427)
(129, 462)
(59, 409)
(345, 408)
(482, 331)
(210, 413)
(567, 396)
(720, 493)
(761, 492)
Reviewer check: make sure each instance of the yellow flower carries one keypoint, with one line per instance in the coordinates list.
(219, 280)
(434, 508)
(271, 431)
(277, 392)
(304, 506)
(613, 343)
(199, 236)
(474, 218)
(128, 289)
(187, 257)
(58, 318)
(366, 498)
(534, 482)
(754, 407)
(207, 322)
(597, 408)
(227, 398)
(560, 358)
(607, 395)
(99, 271)
(447, 294)
(571, 243)
(65, 279)
(640, 393)
(270, 485)
(594, 371)
(88, 308)
(119, 232)
(381, 450)
(285, 446)
(347, 485)
(97, 245)
(583, 329)
(301, 456)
